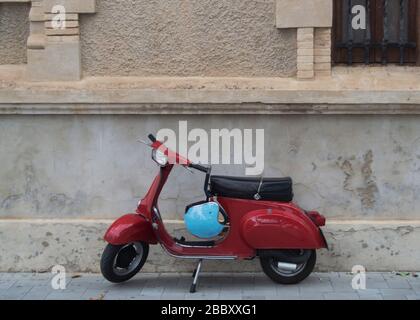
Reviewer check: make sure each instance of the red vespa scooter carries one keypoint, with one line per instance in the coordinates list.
(259, 217)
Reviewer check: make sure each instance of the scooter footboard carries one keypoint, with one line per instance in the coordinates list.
(277, 229)
(130, 228)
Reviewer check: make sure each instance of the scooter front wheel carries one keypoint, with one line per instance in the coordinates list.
(288, 273)
(121, 263)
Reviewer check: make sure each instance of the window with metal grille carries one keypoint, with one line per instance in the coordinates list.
(390, 35)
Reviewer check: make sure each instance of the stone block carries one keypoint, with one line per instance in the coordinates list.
(57, 62)
(322, 44)
(68, 16)
(62, 32)
(305, 59)
(63, 38)
(305, 45)
(323, 32)
(305, 30)
(322, 59)
(305, 66)
(36, 13)
(305, 52)
(36, 41)
(71, 6)
(322, 66)
(303, 13)
(305, 36)
(322, 51)
(35, 62)
(305, 74)
(67, 24)
(36, 28)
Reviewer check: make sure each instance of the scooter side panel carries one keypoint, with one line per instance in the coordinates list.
(130, 228)
(281, 229)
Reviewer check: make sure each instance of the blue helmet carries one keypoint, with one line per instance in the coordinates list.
(203, 220)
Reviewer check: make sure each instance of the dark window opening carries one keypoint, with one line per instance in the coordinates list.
(390, 36)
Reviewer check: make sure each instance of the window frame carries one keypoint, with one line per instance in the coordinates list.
(345, 53)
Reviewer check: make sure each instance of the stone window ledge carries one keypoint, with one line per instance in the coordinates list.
(357, 90)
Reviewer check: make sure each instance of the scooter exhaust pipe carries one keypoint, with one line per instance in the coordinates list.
(287, 266)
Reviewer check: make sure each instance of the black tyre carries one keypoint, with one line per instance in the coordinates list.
(121, 263)
(277, 272)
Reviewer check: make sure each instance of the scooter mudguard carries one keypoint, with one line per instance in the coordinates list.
(130, 228)
(281, 229)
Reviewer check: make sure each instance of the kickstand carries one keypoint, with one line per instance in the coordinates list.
(195, 276)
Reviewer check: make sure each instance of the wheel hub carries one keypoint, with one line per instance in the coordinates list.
(288, 269)
(126, 256)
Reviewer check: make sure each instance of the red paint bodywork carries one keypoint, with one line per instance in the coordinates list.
(253, 224)
(318, 218)
(130, 228)
(285, 228)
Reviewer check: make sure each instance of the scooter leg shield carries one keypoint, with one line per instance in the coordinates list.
(130, 228)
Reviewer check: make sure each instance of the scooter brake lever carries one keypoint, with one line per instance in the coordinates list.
(144, 142)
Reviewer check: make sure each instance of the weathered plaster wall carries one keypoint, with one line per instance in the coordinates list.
(39, 245)
(348, 167)
(186, 38)
(14, 32)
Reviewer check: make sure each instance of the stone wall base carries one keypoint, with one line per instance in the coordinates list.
(37, 245)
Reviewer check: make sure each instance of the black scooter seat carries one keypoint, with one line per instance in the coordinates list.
(270, 189)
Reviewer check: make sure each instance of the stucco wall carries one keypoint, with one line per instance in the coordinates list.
(348, 167)
(60, 174)
(14, 31)
(186, 38)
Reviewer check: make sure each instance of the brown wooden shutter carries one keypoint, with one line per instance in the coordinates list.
(390, 37)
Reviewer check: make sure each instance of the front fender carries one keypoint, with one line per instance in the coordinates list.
(281, 229)
(130, 228)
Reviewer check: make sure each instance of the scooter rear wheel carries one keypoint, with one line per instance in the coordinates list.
(121, 263)
(286, 273)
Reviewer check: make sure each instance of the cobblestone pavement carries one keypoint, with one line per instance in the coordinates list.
(223, 286)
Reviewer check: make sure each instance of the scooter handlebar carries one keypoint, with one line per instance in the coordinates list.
(199, 167)
(152, 137)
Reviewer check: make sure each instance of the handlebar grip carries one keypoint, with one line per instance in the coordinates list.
(152, 137)
(199, 167)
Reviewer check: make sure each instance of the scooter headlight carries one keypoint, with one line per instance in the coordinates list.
(159, 157)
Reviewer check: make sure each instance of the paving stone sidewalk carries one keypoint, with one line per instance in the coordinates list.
(218, 286)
